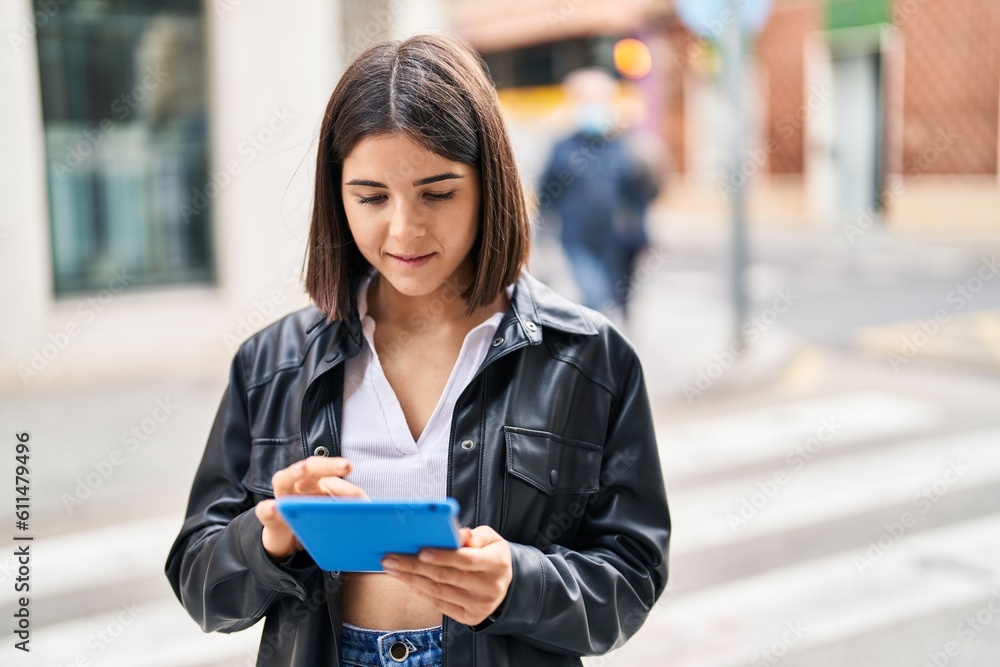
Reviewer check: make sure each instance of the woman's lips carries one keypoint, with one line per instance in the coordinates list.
(412, 261)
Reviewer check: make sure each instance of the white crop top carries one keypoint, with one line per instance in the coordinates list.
(375, 437)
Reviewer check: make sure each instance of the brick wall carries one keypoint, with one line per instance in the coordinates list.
(780, 51)
(951, 82)
(684, 48)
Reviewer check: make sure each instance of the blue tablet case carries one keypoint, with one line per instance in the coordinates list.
(352, 535)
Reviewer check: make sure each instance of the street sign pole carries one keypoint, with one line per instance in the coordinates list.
(733, 62)
(726, 23)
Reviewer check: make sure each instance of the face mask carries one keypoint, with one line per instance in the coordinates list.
(594, 118)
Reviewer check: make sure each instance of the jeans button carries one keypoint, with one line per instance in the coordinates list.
(398, 651)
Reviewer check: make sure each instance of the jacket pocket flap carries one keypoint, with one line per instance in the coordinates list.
(268, 456)
(551, 463)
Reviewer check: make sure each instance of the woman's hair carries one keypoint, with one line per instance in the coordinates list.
(437, 91)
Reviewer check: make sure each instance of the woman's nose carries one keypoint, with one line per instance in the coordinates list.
(405, 224)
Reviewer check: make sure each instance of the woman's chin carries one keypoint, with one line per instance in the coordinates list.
(413, 286)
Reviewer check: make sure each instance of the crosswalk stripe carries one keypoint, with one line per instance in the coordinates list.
(825, 600)
(95, 559)
(776, 431)
(134, 636)
(915, 474)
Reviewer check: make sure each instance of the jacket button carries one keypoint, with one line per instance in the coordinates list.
(497, 341)
(554, 477)
(530, 326)
(468, 444)
(321, 451)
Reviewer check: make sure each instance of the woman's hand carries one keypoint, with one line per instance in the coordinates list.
(315, 476)
(467, 584)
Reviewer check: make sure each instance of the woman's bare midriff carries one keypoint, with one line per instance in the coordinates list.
(376, 600)
(379, 602)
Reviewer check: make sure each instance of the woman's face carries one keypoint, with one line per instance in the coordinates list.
(413, 213)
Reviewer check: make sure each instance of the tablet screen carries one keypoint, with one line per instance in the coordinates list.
(353, 535)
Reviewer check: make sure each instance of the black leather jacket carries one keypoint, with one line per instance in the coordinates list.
(563, 463)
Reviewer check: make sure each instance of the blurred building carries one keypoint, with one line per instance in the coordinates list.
(860, 112)
(158, 175)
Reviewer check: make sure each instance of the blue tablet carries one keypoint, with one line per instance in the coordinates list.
(352, 535)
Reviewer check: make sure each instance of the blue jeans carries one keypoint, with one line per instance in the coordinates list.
(596, 270)
(404, 648)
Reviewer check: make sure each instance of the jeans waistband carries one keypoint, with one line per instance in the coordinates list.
(366, 647)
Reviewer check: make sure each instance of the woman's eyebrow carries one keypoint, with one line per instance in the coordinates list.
(362, 181)
(423, 181)
(440, 177)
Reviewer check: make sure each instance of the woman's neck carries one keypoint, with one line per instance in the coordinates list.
(443, 307)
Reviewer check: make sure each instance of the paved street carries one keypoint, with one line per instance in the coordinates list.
(832, 505)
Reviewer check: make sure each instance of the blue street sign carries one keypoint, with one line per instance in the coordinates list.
(708, 18)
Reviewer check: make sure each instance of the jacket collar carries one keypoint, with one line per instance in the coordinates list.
(534, 306)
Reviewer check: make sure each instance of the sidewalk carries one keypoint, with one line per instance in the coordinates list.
(681, 323)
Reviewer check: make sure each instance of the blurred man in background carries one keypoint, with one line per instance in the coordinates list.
(600, 191)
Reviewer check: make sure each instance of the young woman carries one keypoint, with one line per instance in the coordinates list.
(432, 364)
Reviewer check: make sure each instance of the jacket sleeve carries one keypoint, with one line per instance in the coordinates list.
(589, 599)
(217, 566)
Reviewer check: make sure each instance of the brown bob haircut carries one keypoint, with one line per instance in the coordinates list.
(439, 92)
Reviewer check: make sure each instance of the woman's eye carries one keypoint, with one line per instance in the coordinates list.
(440, 196)
(374, 199)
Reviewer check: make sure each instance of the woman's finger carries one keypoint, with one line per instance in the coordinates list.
(335, 486)
(266, 511)
(277, 537)
(301, 477)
